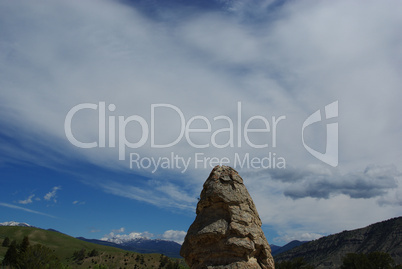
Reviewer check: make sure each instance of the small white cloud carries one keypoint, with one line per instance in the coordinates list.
(79, 203)
(118, 231)
(52, 194)
(27, 201)
(172, 235)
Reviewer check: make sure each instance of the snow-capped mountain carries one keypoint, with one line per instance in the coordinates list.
(141, 245)
(122, 239)
(14, 223)
(154, 244)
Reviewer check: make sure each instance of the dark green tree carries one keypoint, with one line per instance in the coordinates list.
(355, 261)
(296, 263)
(173, 264)
(374, 260)
(6, 242)
(94, 253)
(24, 244)
(79, 255)
(11, 257)
(163, 261)
(380, 260)
(38, 257)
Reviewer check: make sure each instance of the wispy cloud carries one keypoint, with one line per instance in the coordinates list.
(27, 201)
(155, 193)
(25, 209)
(52, 194)
(76, 202)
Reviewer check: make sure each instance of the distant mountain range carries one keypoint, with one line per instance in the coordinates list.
(143, 245)
(328, 251)
(276, 250)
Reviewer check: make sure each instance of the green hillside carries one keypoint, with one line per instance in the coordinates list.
(64, 247)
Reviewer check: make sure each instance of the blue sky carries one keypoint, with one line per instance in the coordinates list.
(102, 104)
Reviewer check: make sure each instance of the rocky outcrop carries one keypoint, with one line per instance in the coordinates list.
(227, 230)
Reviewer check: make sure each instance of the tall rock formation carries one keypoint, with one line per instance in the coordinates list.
(227, 230)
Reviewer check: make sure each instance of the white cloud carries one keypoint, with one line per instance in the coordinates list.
(52, 194)
(27, 201)
(78, 202)
(118, 231)
(173, 235)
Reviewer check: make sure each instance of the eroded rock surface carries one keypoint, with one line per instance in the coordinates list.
(227, 230)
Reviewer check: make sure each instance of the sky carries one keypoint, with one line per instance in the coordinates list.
(113, 113)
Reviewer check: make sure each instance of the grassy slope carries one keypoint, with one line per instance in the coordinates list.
(65, 245)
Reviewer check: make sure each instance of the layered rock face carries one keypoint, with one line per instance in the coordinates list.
(328, 251)
(227, 230)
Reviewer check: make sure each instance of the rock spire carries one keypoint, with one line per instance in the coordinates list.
(227, 230)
